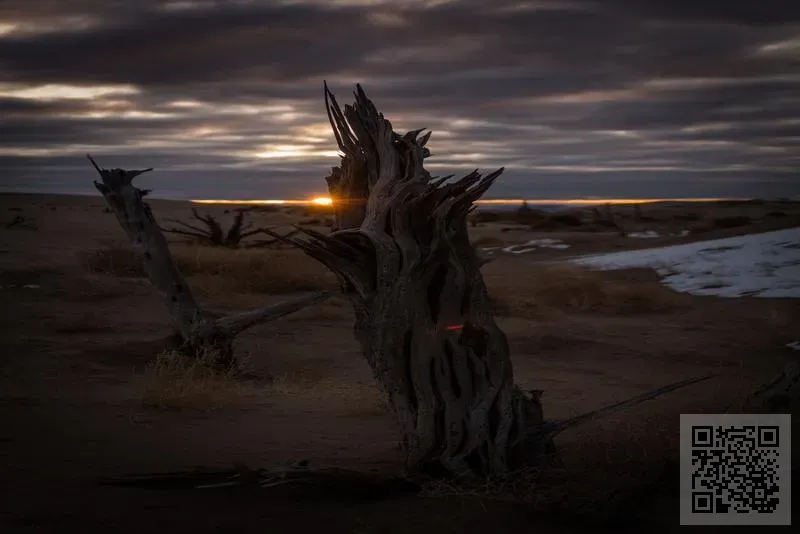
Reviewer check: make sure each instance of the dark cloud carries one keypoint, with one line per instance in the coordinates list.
(744, 12)
(574, 97)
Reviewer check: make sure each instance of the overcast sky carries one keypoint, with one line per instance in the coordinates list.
(576, 98)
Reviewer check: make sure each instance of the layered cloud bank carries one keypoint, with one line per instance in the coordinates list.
(615, 98)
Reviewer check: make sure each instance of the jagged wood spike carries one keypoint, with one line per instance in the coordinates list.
(436, 182)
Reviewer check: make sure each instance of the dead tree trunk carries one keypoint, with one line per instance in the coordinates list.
(402, 254)
(213, 234)
(200, 330)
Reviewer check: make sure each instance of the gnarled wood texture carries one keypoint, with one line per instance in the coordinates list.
(200, 330)
(401, 251)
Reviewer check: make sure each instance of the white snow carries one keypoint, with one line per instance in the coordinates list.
(647, 234)
(535, 244)
(761, 265)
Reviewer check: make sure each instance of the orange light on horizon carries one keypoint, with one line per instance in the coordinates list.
(322, 201)
(327, 201)
(319, 201)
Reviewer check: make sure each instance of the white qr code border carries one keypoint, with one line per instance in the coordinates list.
(704, 451)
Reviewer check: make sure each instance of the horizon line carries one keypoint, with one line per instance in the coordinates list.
(567, 201)
(324, 200)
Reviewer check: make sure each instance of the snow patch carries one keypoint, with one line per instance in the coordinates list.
(647, 234)
(535, 244)
(760, 265)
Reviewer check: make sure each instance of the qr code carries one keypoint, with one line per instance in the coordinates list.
(735, 469)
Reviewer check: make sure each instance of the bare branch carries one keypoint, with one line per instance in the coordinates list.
(186, 225)
(185, 233)
(233, 324)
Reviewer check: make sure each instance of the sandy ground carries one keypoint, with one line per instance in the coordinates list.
(76, 344)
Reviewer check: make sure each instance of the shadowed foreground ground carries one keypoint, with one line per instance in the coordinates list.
(80, 398)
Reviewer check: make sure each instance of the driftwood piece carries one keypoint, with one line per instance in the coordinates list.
(200, 330)
(423, 318)
(213, 234)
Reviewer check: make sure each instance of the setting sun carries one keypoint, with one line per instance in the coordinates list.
(322, 201)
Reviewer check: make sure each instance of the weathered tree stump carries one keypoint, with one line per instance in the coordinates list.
(201, 331)
(423, 318)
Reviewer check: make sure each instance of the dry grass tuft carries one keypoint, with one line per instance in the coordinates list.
(176, 382)
(219, 270)
(113, 258)
(566, 288)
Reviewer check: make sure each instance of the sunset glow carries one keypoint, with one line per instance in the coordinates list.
(327, 201)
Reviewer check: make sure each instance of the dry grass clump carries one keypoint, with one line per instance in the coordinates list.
(545, 289)
(112, 258)
(222, 270)
(174, 381)
(253, 270)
